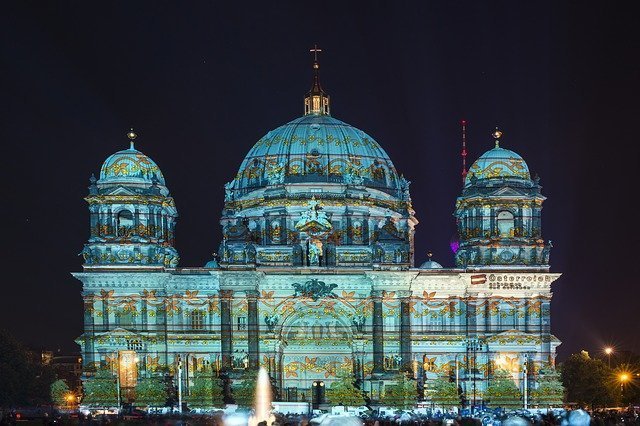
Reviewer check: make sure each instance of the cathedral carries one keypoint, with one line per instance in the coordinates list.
(316, 275)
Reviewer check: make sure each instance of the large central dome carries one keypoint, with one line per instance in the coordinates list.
(317, 192)
(316, 148)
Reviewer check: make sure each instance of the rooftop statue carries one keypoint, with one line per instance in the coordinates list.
(228, 191)
(275, 174)
(314, 220)
(314, 289)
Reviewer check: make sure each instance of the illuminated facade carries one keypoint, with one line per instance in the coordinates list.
(315, 274)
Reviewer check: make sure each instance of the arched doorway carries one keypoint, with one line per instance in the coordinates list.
(316, 350)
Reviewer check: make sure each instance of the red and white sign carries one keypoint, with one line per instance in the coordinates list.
(478, 279)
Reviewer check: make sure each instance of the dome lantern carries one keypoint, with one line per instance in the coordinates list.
(316, 101)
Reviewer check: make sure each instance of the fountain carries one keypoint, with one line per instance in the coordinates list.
(262, 407)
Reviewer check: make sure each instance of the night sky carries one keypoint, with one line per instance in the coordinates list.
(201, 82)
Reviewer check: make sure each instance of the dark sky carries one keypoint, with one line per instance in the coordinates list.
(201, 82)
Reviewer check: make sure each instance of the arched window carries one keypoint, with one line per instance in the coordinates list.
(125, 222)
(505, 224)
(356, 232)
(276, 233)
(134, 345)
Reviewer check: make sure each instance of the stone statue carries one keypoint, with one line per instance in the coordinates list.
(378, 253)
(228, 191)
(275, 174)
(250, 253)
(314, 255)
(271, 321)
(314, 289)
(314, 220)
(353, 175)
(224, 250)
(473, 256)
(297, 255)
(358, 322)
(546, 252)
(86, 254)
(404, 188)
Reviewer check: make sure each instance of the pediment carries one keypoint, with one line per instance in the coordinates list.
(507, 192)
(513, 337)
(118, 332)
(121, 190)
(314, 227)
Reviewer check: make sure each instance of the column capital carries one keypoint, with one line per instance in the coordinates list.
(226, 294)
(252, 294)
(403, 294)
(377, 294)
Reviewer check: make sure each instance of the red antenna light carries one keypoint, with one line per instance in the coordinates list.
(464, 150)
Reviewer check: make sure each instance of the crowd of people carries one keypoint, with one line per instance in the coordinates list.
(578, 417)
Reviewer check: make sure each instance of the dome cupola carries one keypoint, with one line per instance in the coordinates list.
(499, 213)
(430, 263)
(132, 215)
(130, 166)
(497, 164)
(329, 172)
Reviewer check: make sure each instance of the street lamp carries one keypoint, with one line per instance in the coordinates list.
(525, 386)
(70, 398)
(179, 384)
(608, 350)
(624, 378)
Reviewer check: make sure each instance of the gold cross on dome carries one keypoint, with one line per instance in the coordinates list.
(315, 51)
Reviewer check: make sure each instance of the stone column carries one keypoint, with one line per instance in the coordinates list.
(110, 223)
(144, 315)
(378, 332)
(526, 304)
(253, 328)
(105, 313)
(226, 299)
(405, 327)
(94, 220)
(487, 325)
(545, 326)
(161, 327)
(89, 331)
(136, 219)
(472, 301)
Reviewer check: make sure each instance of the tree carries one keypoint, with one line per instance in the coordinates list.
(151, 391)
(402, 394)
(587, 381)
(59, 392)
(550, 391)
(502, 391)
(344, 391)
(24, 380)
(244, 391)
(444, 393)
(205, 392)
(100, 390)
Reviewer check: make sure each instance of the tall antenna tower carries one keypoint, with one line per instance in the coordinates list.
(463, 123)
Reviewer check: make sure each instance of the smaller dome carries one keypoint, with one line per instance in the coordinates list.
(212, 264)
(498, 163)
(431, 264)
(130, 165)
